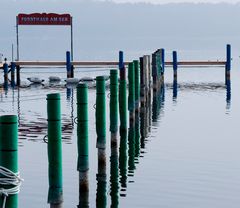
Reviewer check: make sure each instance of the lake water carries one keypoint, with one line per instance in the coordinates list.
(189, 156)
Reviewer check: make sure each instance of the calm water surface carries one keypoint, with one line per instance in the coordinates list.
(184, 151)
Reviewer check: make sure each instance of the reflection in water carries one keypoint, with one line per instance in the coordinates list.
(228, 94)
(101, 196)
(83, 189)
(158, 103)
(137, 136)
(131, 151)
(123, 160)
(175, 89)
(114, 186)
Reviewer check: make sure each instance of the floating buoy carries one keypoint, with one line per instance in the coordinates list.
(54, 79)
(35, 80)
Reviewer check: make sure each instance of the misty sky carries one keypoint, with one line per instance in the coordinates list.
(179, 1)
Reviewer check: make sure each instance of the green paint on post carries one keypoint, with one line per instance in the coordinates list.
(9, 152)
(101, 113)
(131, 87)
(82, 127)
(114, 101)
(123, 105)
(55, 194)
(137, 83)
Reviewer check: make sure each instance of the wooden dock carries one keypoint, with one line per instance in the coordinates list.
(109, 63)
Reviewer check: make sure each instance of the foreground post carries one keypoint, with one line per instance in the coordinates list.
(122, 95)
(82, 134)
(131, 92)
(101, 113)
(55, 194)
(9, 155)
(137, 84)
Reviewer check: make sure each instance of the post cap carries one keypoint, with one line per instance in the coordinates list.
(53, 96)
(8, 119)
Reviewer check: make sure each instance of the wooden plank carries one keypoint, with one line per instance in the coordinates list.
(198, 63)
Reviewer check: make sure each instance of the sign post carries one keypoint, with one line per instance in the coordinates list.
(44, 19)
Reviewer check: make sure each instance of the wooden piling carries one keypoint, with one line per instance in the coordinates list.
(55, 193)
(18, 75)
(101, 112)
(137, 84)
(9, 154)
(228, 61)
(13, 66)
(131, 93)
(5, 71)
(68, 64)
(82, 127)
(175, 65)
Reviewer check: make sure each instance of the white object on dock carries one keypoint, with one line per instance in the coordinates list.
(35, 80)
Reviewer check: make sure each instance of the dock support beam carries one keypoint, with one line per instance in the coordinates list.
(18, 75)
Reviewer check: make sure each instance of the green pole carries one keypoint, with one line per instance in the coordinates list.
(137, 83)
(101, 112)
(123, 105)
(114, 101)
(131, 87)
(55, 194)
(9, 153)
(82, 127)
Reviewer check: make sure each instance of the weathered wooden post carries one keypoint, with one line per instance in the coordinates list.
(137, 84)
(131, 93)
(55, 193)
(228, 62)
(13, 66)
(154, 72)
(9, 161)
(163, 60)
(68, 64)
(122, 94)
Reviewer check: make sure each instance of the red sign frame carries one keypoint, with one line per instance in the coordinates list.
(44, 19)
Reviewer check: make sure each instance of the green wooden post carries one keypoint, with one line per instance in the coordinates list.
(114, 101)
(123, 105)
(131, 93)
(82, 127)
(55, 194)
(101, 112)
(9, 153)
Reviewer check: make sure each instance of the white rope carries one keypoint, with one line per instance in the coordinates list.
(9, 178)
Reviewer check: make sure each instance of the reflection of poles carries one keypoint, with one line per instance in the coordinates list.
(101, 197)
(131, 151)
(137, 135)
(228, 93)
(18, 106)
(82, 133)
(175, 89)
(114, 173)
(123, 160)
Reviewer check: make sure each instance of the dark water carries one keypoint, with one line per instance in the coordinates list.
(183, 151)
